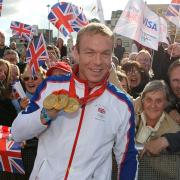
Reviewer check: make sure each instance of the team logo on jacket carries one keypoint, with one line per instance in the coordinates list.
(101, 112)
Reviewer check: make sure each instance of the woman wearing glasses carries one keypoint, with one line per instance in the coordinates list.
(30, 82)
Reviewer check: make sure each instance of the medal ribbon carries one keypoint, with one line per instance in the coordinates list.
(88, 97)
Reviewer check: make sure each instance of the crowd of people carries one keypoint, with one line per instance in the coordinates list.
(108, 100)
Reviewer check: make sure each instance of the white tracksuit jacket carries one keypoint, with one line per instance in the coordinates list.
(107, 123)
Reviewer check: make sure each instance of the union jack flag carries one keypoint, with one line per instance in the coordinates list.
(10, 153)
(23, 31)
(1, 2)
(67, 17)
(173, 12)
(37, 54)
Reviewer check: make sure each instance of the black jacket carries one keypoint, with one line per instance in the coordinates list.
(7, 112)
(174, 141)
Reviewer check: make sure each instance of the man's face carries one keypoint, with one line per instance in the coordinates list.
(175, 81)
(94, 57)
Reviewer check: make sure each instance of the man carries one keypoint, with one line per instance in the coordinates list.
(163, 58)
(3, 47)
(174, 82)
(13, 46)
(119, 49)
(94, 118)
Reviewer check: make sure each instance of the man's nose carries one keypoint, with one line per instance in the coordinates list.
(97, 59)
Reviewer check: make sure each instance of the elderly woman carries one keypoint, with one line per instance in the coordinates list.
(152, 120)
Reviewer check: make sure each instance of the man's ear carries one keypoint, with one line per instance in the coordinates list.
(75, 54)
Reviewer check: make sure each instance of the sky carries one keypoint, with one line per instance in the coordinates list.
(35, 12)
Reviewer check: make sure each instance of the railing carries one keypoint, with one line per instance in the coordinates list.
(163, 167)
(166, 166)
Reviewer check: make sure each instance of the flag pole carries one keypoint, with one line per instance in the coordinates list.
(175, 33)
(58, 29)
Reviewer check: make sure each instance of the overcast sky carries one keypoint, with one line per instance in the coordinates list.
(35, 11)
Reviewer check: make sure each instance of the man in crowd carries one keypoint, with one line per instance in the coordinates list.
(119, 49)
(174, 81)
(81, 117)
(3, 47)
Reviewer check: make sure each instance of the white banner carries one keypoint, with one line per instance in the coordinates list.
(163, 31)
(139, 23)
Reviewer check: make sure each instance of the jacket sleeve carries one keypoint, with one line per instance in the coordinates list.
(174, 141)
(28, 124)
(124, 149)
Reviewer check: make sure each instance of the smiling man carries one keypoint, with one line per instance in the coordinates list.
(80, 118)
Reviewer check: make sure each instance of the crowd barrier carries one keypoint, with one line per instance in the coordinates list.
(163, 167)
(166, 166)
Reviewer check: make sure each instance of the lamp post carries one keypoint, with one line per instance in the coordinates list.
(49, 40)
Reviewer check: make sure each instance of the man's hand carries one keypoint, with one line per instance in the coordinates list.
(174, 50)
(48, 115)
(154, 147)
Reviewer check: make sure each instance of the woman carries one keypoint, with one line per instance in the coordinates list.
(31, 82)
(137, 77)
(152, 120)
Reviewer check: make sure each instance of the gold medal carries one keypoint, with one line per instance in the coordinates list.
(72, 106)
(62, 102)
(50, 101)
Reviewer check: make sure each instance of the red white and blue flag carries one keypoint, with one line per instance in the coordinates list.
(67, 18)
(10, 153)
(21, 30)
(37, 54)
(173, 12)
(1, 2)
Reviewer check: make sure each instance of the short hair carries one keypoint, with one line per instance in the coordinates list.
(92, 29)
(156, 85)
(13, 52)
(173, 66)
(143, 51)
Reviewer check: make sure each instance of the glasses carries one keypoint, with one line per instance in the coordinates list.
(133, 72)
(33, 78)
